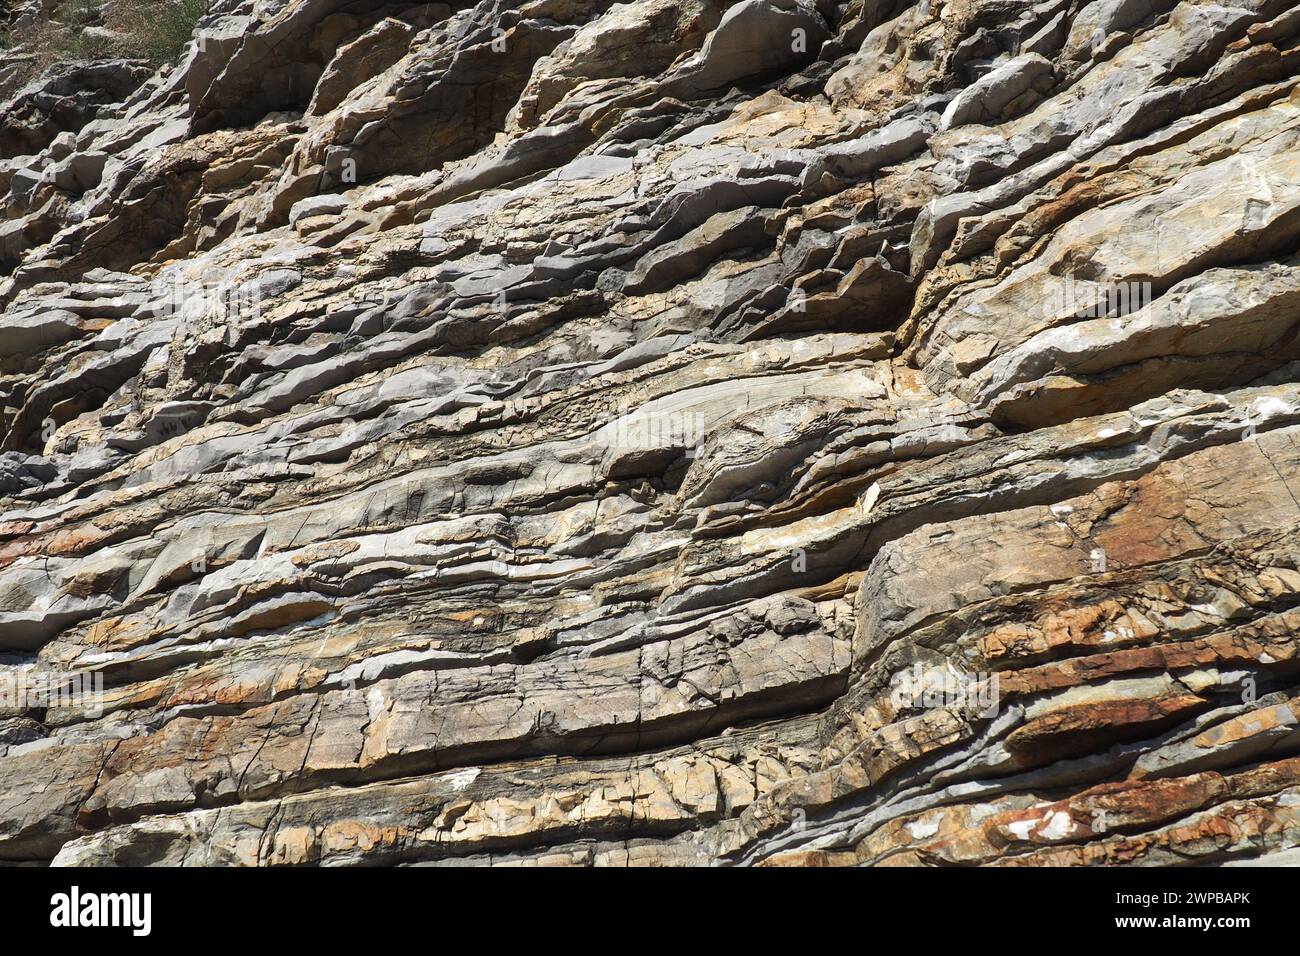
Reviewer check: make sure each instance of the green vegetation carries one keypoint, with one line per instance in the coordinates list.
(153, 30)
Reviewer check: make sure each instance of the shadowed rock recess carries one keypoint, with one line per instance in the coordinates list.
(673, 432)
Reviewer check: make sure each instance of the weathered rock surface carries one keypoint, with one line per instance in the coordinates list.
(783, 432)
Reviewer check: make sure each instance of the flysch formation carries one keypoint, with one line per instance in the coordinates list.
(672, 432)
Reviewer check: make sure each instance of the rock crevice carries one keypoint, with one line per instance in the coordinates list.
(773, 432)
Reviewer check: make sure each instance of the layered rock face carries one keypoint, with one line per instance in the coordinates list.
(675, 432)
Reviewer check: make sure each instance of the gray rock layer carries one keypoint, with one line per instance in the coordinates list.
(673, 432)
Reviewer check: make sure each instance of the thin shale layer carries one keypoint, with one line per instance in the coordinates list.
(778, 432)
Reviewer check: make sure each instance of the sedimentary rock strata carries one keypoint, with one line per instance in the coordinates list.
(775, 432)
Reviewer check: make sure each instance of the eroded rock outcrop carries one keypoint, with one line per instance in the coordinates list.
(782, 432)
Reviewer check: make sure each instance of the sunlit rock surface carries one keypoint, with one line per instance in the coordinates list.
(771, 432)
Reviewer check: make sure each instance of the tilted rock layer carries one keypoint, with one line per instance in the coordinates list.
(677, 432)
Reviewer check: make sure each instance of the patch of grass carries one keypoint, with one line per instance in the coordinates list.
(155, 31)
(40, 47)
(152, 30)
(78, 46)
(77, 13)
